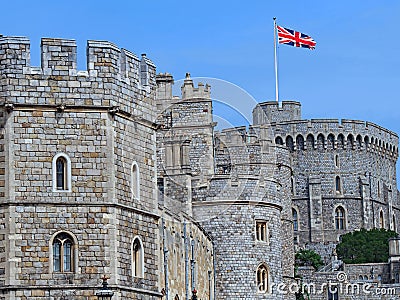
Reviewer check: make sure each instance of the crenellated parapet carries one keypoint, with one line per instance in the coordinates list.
(114, 77)
(273, 111)
(333, 134)
(189, 91)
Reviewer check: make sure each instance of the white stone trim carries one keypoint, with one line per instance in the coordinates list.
(135, 181)
(269, 279)
(141, 269)
(75, 253)
(54, 172)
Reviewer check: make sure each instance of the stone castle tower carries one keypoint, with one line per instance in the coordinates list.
(344, 174)
(78, 180)
(105, 172)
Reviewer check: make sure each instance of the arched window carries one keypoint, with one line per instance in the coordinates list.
(300, 142)
(137, 258)
(320, 141)
(359, 141)
(310, 141)
(360, 277)
(366, 141)
(262, 231)
(289, 143)
(340, 218)
(63, 252)
(278, 140)
(61, 173)
(331, 141)
(381, 220)
(340, 141)
(350, 140)
(176, 297)
(262, 279)
(295, 219)
(338, 185)
(135, 181)
(394, 227)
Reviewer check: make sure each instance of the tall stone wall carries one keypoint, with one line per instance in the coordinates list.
(102, 120)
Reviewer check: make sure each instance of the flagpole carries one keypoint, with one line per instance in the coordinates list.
(276, 65)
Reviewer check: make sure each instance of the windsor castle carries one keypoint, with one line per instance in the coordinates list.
(104, 172)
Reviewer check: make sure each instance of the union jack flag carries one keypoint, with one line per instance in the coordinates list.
(295, 38)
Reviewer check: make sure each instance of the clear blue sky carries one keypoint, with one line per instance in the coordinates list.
(354, 73)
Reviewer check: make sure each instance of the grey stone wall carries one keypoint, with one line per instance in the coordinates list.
(188, 257)
(237, 252)
(103, 120)
(362, 154)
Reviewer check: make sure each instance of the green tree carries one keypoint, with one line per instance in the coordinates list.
(308, 258)
(365, 246)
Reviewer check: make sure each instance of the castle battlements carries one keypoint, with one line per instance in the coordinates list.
(331, 133)
(58, 58)
(191, 92)
(114, 77)
(273, 111)
(299, 134)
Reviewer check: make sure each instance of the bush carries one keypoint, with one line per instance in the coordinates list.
(308, 258)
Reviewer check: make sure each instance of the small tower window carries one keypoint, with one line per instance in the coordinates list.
(340, 218)
(289, 143)
(278, 140)
(338, 187)
(337, 161)
(310, 141)
(61, 173)
(137, 258)
(300, 142)
(261, 231)
(61, 170)
(135, 181)
(262, 279)
(295, 219)
(63, 253)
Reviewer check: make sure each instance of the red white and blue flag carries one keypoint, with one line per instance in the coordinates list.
(295, 38)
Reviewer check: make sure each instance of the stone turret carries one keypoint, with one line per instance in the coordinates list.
(276, 112)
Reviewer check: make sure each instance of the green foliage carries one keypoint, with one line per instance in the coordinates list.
(308, 258)
(364, 246)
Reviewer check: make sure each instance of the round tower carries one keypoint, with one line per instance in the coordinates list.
(344, 175)
(243, 210)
